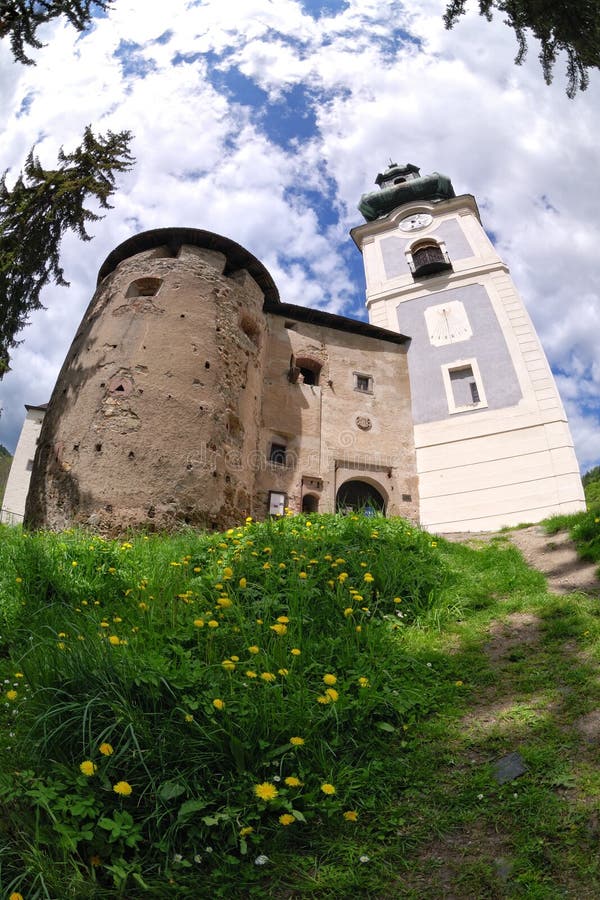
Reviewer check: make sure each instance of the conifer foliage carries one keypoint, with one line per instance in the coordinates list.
(571, 27)
(20, 20)
(36, 213)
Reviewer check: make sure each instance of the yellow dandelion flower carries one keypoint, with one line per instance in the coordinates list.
(243, 583)
(197, 569)
(351, 815)
(246, 830)
(224, 602)
(342, 577)
(397, 599)
(254, 649)
(15, 896)
(458, 683)
(11, 695)
(287, 818)
(282, 566)
(19, 675)
(228, 665)
(250, 674)
(368, 577)
(19, 580)
(218, 703)
(227, 573)
(106, 749)
(143, 606)
(234, 658)
(74, 563)
(283, 619)
(292, 781)
(114, 640)
(331, 583)
(199, 623)
(328, 789)
(259, 621)
(266, 565)
(332, 694)
(213, 623)
(123, 788)
(267, 676)
(279, 629)
(329, 679)
(88, 768)
(283, 672)
(348, 612)
(359, 628)
(340, 561)
(295, 651)
(189, 717)
(265, 791)
(302, 575)
(363, 682)
(104, 624)
(296, 741)
(323, 699)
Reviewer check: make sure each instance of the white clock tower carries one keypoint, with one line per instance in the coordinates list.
(492, 442)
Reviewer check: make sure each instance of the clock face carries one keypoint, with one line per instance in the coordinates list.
(416, 221)
(447, 323)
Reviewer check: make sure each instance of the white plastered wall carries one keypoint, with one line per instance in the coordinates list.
(17, 486)
(490, 468)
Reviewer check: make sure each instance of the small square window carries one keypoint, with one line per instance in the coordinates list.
(463, 385)
(278, 454)
(363, 383)
(29, 466)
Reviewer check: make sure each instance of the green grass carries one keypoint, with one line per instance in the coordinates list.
(584, 530)
(401, 707)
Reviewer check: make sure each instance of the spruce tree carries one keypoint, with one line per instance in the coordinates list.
(20, 20)
(35, 214)
(571, 27)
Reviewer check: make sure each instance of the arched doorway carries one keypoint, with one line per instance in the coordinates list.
(310, 503)
(359, 496)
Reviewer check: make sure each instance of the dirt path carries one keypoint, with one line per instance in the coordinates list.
(553, 555)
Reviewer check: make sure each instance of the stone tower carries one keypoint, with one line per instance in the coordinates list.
(493, 446)
(155, 416)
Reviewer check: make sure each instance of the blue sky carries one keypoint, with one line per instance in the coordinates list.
(265, 121)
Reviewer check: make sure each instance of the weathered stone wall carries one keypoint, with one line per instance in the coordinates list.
(154, 418)
(332, 431)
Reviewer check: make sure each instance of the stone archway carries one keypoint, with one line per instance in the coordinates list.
(358, 495)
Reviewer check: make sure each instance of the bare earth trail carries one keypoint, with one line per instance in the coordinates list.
(552, 555)
(502, 718)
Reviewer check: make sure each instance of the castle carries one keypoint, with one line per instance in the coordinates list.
(193, 394)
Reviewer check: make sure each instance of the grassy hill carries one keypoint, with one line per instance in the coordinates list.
(5, 464)
(308, 707)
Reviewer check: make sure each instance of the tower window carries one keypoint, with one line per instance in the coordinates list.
(464, 387)
(363, 383)
(278, 454)
(428, 258)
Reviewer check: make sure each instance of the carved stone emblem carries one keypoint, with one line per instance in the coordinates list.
(364, 423)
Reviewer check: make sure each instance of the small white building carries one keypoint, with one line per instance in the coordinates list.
(17, 486)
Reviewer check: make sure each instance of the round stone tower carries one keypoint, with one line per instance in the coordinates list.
(154, 419)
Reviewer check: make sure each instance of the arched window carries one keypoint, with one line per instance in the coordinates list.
(305, 370)
(428, 257)
(144, 287)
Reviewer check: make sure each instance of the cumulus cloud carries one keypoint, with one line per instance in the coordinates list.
(266, 121)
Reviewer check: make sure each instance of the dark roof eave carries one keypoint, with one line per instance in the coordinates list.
(237, 256)
(330, 320)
